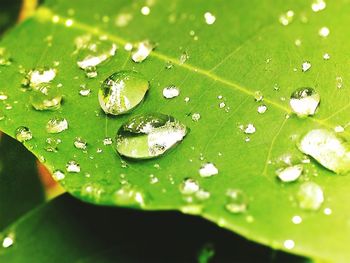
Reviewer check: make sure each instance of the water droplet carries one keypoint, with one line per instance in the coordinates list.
(169, 65)
(262, 109)
(5, 59)
(123, 19)
(258, 96)
(150, 135)
(318, 5)
(7, 241)
(324, 31)
(23, 134)
(38, 76)
(297, 220)
(189, 186)
(184, 57)
(56, 125)
(208, 170)
(171, 92)
(310, 196)
(107, 141)
(297, 42)
(339, 129)
(327, 148)
(326, 56)
(327, 211)
(84, 91)
(237, 201)
(202, 195)
(142, 51)
(250, 129)
(122, 91)
(196, 116)
(92, 52)
(45, 96)
(290, 174)
(209, 18)
(58, 175)
(128, 195)
(304, 101)
(289, 244)
(286, 18)
(73, 167)
(80, 143)
(145, 10)
(339, 82)
(305, 66)
(222, 105)
(51, 144)
(3, 96)
(153, 179)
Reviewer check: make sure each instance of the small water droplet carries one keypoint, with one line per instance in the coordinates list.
(318, 5)
(184, 57)
(58, 175)
(169, 65)
(80, 143)
(8, 241)
(171, 92)
(258, 96)
(73, 167)
(142, 51)
(153, 179)
(297, 42)
(324, 31)
(56, 125)
(122, 91)
(23, 134)
(208, 170)
(327, 211)
(326, 56)
(286, 18)
(107, 141)
(84, 91)
(3, 96)
(297, 220)
(289, 244)
(128, 195)
(339, 129)
(51, 144)
(5, 59)
(310, 196)
(209, 18)
(327, 148)
(262, 109)
(45, 96)
(339, 82)
(150, 135)
(145, 10)
(196, 116)
(304, 101)
(189, 186)
(305, 66)
(237, 201)
(249, 129)
(290, 174)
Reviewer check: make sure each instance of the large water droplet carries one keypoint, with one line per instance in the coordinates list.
(56, 125)
(142, 51)
(304, 101)
(23, 134)
(310, 196)
(237, 201)
(38, 76)
(45, 96)
(290, 174)
(328, 149)
(122, 91)
(148, 136)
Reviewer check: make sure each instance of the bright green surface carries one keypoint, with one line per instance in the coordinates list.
(245, 50)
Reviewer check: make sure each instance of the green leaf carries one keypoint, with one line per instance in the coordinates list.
(79, 232)
(246, 50)
(20, 188)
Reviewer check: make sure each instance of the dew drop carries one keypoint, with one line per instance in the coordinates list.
(290, 174)
(56, 125)
(149, 135)
(107, 141)
(122, 91)
(286, 18)
(209, 18)
(128, 195)
(58, 175)
(23, 134)
(250, 129)
(145, 10)
(304, 101)
(184, 57)
(327, 148)
(171, 92)
(3, 96)
(51, 144)
(208, 170)
(45, 96)
(196, 116)
(318, 5)
(84, 91)
(80, 143)
(73, 167)
(258, 96)
(262, 109)
(310, 196)
(297, 220)
(339, 129)
(7, 242)
(289, 244)
(305, 66)
(38, 76)
(142, 51)
(189, 186)
(339, 82)
(324, 31)
(326, 56)
(237, 201)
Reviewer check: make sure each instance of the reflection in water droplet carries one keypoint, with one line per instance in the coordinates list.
(208, 170)
(122, 91)
(237, 201)
(189, 186)
(45, 96)
(286, 18)
(290, 174)
(80, 143)
(23, 134)
(304, 101)
(310, 196)
(142, 51)
(148, 136)
(73, 167)
(56, 125)
(327, 148)
(171, 92)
